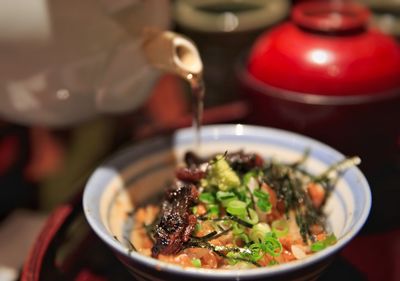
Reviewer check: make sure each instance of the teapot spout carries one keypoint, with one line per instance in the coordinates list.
(172, 53)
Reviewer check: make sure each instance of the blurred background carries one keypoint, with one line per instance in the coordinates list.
(75, 87)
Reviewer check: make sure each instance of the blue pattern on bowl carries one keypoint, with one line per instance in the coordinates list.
(353, 198)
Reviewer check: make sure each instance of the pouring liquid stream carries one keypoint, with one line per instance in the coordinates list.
(176, 54)
(197, 90)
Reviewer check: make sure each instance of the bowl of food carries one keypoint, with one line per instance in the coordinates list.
(246, 203)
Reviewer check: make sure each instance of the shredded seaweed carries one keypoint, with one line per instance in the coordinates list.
(227, 218)
(131, 246)
(213, 235)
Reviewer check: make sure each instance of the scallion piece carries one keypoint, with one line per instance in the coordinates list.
(225, 195)
(320, 245)
(213, 209)
(247, 177)
(263, 200)
(256, 252)
(207, 197)
(236, 208)
(237, 228)
(261, 194)
(250, 216)
(272, 245)
(280, 227)
(196, 262)
(264, 205)
(330, 240)
(259, 232)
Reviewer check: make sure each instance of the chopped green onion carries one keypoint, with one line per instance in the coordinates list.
(207, 197)
(248, 176)
(196, 262)
(261, 194)
(264, 205)
(320, 245)
(259, 232)
(213, 209)
(242, 237)
(263, 200)
(236, 208)
(272, 245)
(250, 216)
(330, 240)
(194, 210)
(242, 194)
(256, 251)
(232, 258)
(225, 195)
(237, 228)
(280, 227)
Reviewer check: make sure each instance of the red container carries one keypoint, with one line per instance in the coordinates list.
(327, 74)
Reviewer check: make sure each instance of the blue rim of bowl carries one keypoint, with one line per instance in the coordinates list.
(215, 132)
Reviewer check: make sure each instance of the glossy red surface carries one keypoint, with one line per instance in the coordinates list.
(327, 75)
(327, 49)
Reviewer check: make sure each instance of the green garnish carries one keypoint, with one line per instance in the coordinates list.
(263, 200)
(207, 198)
(256, 252)
(222, 175)
(248, 177)
(261, 194)
(320, 245)
(237, 228)
(259, 232)
(236, 208)
(280, 227)
(196, 262)
(250, 217)
(224, 196)
(213, 209)
(272, 245)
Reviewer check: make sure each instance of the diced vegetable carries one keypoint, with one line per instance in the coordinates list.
(320, 245)
(280, 227)
(259, 232)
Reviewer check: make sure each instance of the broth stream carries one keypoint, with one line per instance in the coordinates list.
(197, 88)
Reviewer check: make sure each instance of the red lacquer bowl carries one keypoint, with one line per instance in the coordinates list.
(329, 75)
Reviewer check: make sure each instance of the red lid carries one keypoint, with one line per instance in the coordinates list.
(327, 49)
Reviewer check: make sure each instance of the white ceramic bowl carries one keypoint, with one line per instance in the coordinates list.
(138, 173)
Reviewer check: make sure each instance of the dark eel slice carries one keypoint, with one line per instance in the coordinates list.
(177, 222)
(244, 162)
(192, 174)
